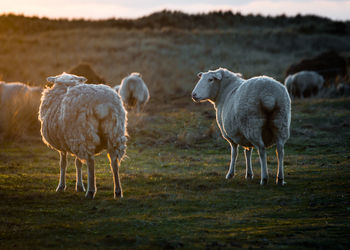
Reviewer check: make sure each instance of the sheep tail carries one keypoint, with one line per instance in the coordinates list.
(113, 123)
(268, 103)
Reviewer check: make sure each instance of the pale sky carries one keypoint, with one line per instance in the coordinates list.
(103, 9)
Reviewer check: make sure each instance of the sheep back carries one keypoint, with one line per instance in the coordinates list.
(83, 119)
(133, 89)
(304, 83)
(259, 105)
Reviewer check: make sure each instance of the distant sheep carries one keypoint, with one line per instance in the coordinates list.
(83, 119)
(251, 113)
(19, 108)
(343, 89)
(304, 84)
(134, 91)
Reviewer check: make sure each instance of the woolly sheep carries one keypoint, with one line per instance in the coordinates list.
(134, 91)
(304, 83)
(19, 107)
(83, 119)
(251, 113)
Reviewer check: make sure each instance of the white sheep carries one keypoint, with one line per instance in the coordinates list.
(19, 107)
(251, 113)
(83, 119)
(304, 83)
(134, 91)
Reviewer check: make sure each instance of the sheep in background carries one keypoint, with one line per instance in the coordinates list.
(343, 89)
(251, 113)
(134, 91)
(19, 108)
(304, 84)
(83, 119)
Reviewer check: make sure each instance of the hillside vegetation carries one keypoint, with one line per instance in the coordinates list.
(168, 48)
(176, 19)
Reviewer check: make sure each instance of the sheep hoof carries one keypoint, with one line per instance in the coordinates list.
(90, 195)
(60, 188)
(280, 182)
(118, 194)
(249, 177)
(80, 188)
(263, 182)
(230, 176)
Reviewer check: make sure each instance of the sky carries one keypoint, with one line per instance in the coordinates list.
(104, 9)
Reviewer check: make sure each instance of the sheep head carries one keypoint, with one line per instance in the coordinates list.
(66, 78)
(208, 86)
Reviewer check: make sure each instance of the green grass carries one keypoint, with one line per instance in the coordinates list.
(175, 192)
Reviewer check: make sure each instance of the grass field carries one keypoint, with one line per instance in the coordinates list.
(175, 192)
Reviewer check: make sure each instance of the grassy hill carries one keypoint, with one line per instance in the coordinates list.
(179, 20)
(168, 48)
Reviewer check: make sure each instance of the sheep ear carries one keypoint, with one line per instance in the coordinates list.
(218, 75)
(82, 79)
(51, 79)
(200, 74)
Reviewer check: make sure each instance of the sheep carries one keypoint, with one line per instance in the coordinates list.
(134, 91)
(20, 106)
(304, 83)
(82, 120)
(251, 113)
(343, 89)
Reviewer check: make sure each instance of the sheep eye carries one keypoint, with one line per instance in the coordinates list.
(211, 79)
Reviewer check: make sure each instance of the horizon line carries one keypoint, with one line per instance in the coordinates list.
(168, 10)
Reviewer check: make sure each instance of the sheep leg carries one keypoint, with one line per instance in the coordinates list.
(280, 169)
(234, 154)
(263, 163)
(91, 189)
(115, 163)
(79, 185)
(248, 159)
(63, 166)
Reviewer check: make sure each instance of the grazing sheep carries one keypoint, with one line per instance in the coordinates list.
(251, 113)
(19, 108)
(304, 84)
(134, 91)
(83, 119)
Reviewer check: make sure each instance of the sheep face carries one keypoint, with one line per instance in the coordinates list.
(66, 78)
(207, 87)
